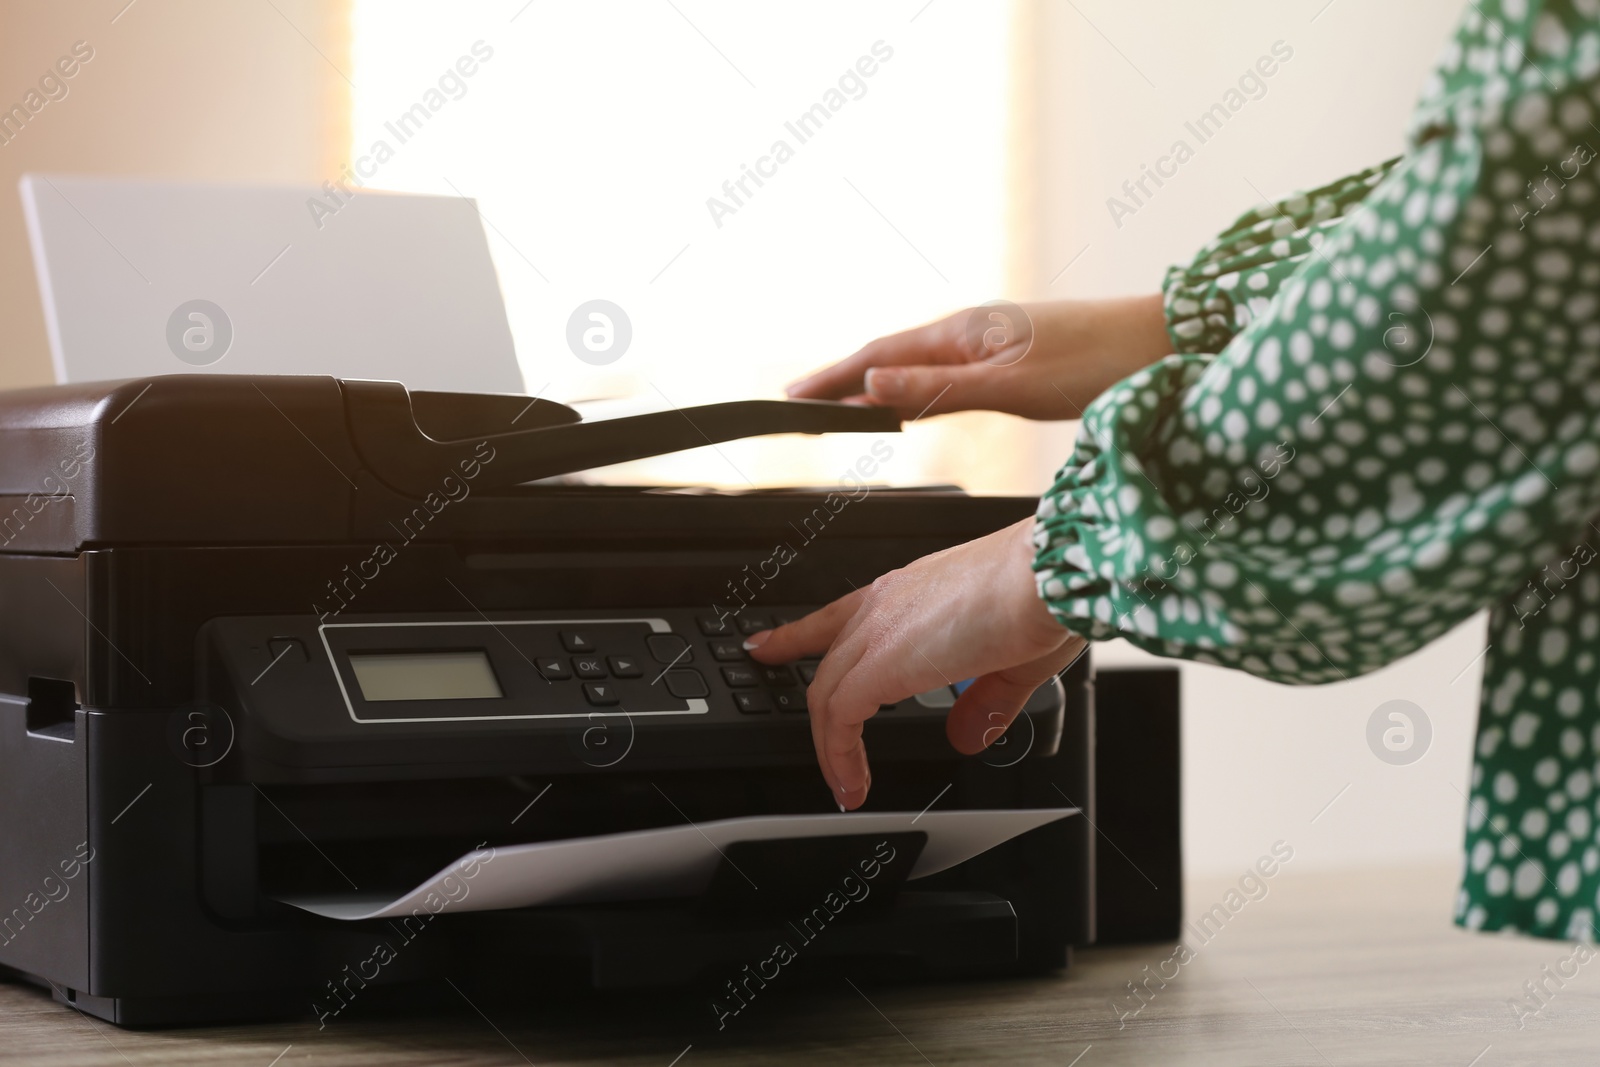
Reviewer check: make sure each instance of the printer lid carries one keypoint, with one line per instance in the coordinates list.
(204, 458)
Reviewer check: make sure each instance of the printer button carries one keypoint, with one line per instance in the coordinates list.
(789, 700)
(669, 648)
(553, 670)
(286, 647)
(625, 667)
(752, 703)
(715, 625)
(727, 651)
(808, 672)
(686, 684)
(753, 624)
(740, 677)
(600, 694)
(588, 667)
(777, 676)
(576, 641)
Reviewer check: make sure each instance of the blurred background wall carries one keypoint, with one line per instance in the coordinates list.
(214, 90)
(974, 162)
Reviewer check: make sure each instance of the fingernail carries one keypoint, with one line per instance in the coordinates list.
(841, 806)
(755, 641)
(886, 384)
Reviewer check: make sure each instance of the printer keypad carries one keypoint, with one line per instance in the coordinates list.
(759, 688)
(754, 688)
(608, 661)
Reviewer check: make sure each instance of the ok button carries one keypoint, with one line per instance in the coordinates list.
(588, 666)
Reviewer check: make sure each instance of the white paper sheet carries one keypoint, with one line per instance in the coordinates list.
(394, 286)
(673, 861)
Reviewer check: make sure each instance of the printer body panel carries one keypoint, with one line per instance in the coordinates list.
(46, 857)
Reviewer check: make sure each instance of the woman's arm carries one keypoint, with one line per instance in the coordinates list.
(1404, 432)
(976, 611)
(1063, 354)
(1048, 365)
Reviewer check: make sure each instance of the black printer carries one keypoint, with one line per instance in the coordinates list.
(277, 636)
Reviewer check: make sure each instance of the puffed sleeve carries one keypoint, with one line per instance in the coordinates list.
(1234, 275)
(1401, 433)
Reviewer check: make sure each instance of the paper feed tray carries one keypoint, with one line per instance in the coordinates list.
(673, 861)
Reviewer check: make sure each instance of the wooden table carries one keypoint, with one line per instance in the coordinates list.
(1323, 970)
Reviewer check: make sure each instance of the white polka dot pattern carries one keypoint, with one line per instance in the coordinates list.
(1384, 415)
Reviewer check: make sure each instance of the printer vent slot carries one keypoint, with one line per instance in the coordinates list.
(51, 704)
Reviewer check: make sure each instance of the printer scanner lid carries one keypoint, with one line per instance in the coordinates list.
(206, 458)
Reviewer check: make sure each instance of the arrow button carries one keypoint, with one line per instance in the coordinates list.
(600, 695)
(554, 670)
(625, 667)
(575, 641)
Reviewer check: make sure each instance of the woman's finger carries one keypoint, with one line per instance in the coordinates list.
(847, 757)
(922, 344)
(839, 752)
(838, 714)
(809, 636)
(848, 790)
(924, 390)
(826, 630)
(984, 712)
(866, 668)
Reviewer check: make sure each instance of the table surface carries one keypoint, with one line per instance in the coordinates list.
(1325, 969)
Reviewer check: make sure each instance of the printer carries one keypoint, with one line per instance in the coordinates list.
(278, 636)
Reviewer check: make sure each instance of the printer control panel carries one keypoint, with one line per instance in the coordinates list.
(519, 668)
(365, 682)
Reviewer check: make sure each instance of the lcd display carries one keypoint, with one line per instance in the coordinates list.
(464, 675)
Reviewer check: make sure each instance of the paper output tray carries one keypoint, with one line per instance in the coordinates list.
(673, 861)
(387, 428)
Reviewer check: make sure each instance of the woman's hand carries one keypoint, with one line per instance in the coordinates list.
(967, 612)
(1047, 363)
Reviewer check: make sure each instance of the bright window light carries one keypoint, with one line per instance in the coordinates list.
(608, 144)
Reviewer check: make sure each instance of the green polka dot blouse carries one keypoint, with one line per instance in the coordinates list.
(1383, 415)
